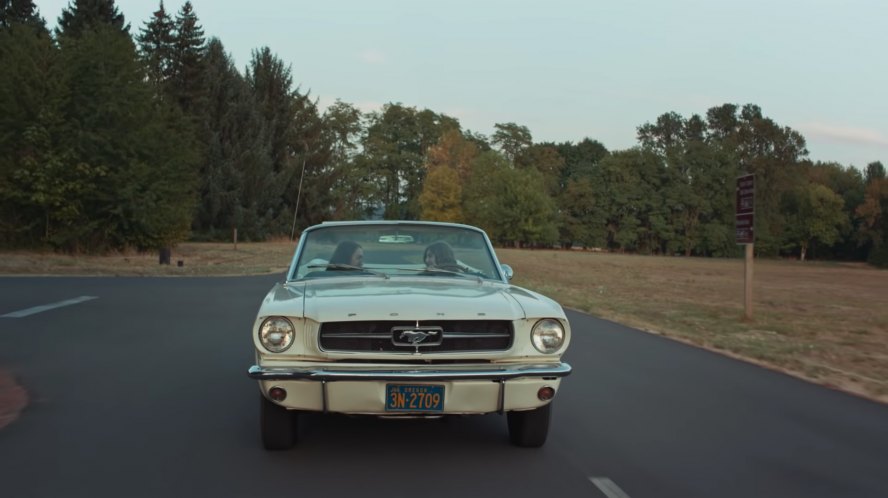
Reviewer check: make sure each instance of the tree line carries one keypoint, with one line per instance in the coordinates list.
(112, 140)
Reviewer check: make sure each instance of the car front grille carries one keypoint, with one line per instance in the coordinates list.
(376, 336)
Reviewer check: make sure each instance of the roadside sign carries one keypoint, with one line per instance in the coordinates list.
(744, 231)
(745, 205)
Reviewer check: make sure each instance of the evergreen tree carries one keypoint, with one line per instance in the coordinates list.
(237, 187)
(272, 86)
(186, 65)
(20, 12)
(299, 153)
(35, 168)
(156, 47)
(137, 155)
(86, 15)
(313, 153)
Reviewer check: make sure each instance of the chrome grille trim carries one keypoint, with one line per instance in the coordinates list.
(459, 335)
(376, 336)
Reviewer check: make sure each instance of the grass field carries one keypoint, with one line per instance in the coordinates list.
(826, 322)
(823, 321)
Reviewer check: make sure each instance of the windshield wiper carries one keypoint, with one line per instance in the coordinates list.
(339, 266)
(443, 272)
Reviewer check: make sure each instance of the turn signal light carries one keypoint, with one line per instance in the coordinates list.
(546, 393)
(277, 393)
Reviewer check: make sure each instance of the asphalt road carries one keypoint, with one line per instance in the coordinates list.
(142, 391)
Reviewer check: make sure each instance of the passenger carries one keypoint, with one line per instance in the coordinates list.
(439, 256)
(348, 253)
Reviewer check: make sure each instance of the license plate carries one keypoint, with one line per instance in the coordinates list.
(414, 398)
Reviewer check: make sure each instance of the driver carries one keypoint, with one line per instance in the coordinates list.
(439, 255)
(348, 253)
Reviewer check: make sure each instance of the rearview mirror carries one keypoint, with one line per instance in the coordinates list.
(396, 239)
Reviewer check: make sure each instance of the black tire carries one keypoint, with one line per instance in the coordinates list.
(529, 428)
(278, 425)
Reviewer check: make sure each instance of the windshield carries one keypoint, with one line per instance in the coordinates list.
(395, 250)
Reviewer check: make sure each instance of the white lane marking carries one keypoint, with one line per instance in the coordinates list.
(608, 487)
(47, 307)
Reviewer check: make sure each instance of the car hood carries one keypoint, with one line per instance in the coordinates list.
(362, 299)
(408, 299)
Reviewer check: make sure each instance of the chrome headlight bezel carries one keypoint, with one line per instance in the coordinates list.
(548, 335)
(276, 334)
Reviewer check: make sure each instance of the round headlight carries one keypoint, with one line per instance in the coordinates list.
(276, 334)
(547, 335)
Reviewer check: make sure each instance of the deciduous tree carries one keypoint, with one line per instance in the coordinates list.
(511, 139)
(508, 203)
(873, 215)
(448, 165)
(582, 217)
(351, 190)
(814, 214)
(441, 198)
(394, 150)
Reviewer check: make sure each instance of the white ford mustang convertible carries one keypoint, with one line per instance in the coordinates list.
(405, 319)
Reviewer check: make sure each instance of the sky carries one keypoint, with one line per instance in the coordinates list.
(575, 69)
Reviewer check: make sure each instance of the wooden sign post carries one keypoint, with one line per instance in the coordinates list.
(744, 231)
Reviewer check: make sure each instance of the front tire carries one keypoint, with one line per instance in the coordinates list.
(277, 424)
(529, 429)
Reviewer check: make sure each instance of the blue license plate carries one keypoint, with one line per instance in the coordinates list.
(414, 398)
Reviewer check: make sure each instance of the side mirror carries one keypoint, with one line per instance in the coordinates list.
(507, 271)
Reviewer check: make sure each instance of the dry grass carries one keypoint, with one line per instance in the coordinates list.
(823, 321)
(215, 259)
(826, 322)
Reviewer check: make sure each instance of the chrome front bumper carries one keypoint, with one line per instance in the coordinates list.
(360, 390)
(331, 374)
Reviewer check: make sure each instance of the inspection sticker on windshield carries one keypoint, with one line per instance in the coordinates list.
(414, 398)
